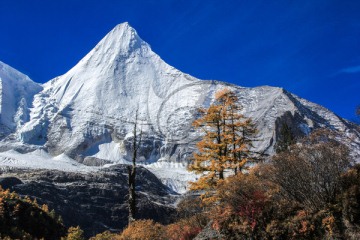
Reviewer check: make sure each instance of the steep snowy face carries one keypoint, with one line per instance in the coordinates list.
(95, 102)
(16, 95)
(88, 112)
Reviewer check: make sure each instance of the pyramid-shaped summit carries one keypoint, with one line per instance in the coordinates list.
(87, 113)
(117, 45)
(100, 94)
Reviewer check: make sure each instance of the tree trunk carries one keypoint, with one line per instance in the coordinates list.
(132, 176)
(132, 197)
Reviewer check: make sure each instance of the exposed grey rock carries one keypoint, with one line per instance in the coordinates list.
(95, 201)
(93, 161)
(9, 182)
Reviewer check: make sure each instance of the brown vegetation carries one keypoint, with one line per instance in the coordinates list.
(143, 230)
(23, 218)
(309, 173)
(225, 144)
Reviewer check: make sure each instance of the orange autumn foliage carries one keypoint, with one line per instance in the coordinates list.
(242, 199)
(183, 230)
(225, 144)
(144, 230)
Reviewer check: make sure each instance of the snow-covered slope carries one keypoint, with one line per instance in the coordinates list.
(88, 113)
(40, 159)
(16, 95)
(96, 100)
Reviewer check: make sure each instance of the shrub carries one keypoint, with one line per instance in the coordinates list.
(75, 233)
(22, 218)
(107, 235)
(144, 230)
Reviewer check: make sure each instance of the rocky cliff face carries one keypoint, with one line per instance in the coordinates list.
(95, 201)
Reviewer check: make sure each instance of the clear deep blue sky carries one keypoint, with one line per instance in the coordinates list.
(309, 47)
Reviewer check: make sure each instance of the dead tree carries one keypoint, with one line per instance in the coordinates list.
(132, 172)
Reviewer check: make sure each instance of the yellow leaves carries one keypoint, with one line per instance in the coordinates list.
(107, 235)
(306, 227)
(206, 182)
(144, 230)
(208, 198)
(2, 209)
(225, 144)
(45, 208)
(35, 203)
(74, 233)
(4, 193)
(328, 223)
(27, 199)
(22, 215)
(222, 94)
(7, 195)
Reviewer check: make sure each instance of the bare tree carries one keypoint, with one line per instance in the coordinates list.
(132, 171)
(309, 172)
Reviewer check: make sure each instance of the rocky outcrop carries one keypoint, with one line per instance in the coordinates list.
(95, 201)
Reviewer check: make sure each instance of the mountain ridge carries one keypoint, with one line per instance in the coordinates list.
(17, 91)
(86, 114)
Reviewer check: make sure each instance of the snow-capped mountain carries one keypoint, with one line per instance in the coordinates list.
(16, 95)
(87, 114)
(88, 111)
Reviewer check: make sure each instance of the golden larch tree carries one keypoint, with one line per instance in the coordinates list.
(225, 144)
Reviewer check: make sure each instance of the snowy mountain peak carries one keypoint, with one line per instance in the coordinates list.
(8, 73)
(121, 73)
(116, 46)
(87, 113)
(123, 29)
(16, 94)
(123, 38)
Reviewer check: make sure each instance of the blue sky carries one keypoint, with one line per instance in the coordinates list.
(309, 47)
